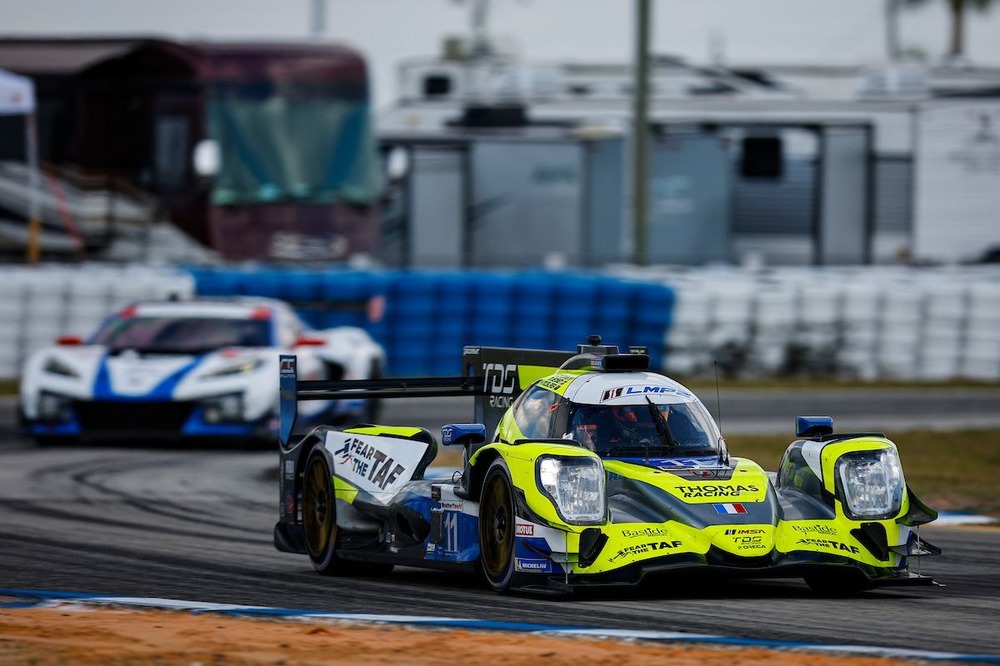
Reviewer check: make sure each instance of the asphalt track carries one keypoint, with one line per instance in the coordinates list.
(196, 524)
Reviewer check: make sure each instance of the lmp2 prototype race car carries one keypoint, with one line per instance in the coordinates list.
(185, 369)
(588, 469)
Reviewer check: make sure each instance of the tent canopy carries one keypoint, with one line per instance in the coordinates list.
(17, 94)
(17, 97)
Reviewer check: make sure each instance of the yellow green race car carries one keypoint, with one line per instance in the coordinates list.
(584, 469)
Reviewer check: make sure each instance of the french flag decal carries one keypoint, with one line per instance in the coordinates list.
(724, 509)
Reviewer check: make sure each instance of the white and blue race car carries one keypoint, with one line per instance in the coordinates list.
(199, 368)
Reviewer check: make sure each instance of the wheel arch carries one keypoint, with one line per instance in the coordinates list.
(483, 459)
(315, 439)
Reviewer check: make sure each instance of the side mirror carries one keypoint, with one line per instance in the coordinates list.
(397, 163)
(813, 426)
(69, 341)
(310, 342)
(207, 158)
(460, 434)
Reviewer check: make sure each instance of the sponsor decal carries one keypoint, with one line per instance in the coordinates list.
(645, 532)
(671, 464)
(748, 542)
(499, 381)
(611, 394)
(718, 490)
(829, 543)
(452, 505)
(289, 469)
(289, 502)
(642, 548)
(729, 509)
(374, 464)
(525, 564)
(287, 367)
(369, 462)
(555, 382)
(747, 538)
(640, 389)
(815, 529)
(435, 493)
(524, 529)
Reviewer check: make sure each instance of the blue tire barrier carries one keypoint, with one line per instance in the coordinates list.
(424, 318)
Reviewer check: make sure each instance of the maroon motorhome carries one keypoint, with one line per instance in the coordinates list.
(294, 174)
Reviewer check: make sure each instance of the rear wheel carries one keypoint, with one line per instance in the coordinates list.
(318, 513)
(496, 527)
(319, 522)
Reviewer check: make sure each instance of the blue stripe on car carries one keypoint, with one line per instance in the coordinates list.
(162, 391)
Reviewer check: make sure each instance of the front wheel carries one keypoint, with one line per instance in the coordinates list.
(496, 527)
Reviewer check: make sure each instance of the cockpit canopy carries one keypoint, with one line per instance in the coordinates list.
(623, 421)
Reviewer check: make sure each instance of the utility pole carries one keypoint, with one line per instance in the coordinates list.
(318, 19)
(640, 134)
(892, 29)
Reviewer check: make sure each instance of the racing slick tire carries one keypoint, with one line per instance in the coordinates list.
(496, 527)
(838, 583)
(319, 522)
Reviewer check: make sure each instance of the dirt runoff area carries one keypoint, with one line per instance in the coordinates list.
(60, 635)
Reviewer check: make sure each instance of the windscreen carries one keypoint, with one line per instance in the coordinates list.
(189, 335)
(309, 143)
(665, 430)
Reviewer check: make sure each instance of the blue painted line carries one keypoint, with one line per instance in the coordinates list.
(961, 518)
(36, 598)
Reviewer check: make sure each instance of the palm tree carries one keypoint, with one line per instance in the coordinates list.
(957, 9)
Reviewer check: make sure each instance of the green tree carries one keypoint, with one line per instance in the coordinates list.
(958, 10)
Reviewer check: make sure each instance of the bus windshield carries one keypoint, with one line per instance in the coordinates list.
(305, 142)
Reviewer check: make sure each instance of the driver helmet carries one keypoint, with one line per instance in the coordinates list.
(625, 415)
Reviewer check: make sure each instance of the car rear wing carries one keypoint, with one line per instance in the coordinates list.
(494, 376)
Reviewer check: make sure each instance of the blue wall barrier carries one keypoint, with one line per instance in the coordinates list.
(424, 318)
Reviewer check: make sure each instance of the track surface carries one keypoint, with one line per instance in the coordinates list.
(196, 524)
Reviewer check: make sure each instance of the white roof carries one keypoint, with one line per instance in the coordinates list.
(17, 94)
(627, 388)
(221, 309)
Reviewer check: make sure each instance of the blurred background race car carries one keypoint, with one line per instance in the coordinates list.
(185, 369)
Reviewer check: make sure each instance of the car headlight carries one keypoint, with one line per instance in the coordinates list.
(54, 408)
(240, 368)
(224, 408)
(575, 486)
(872, 483)
(56, 367)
